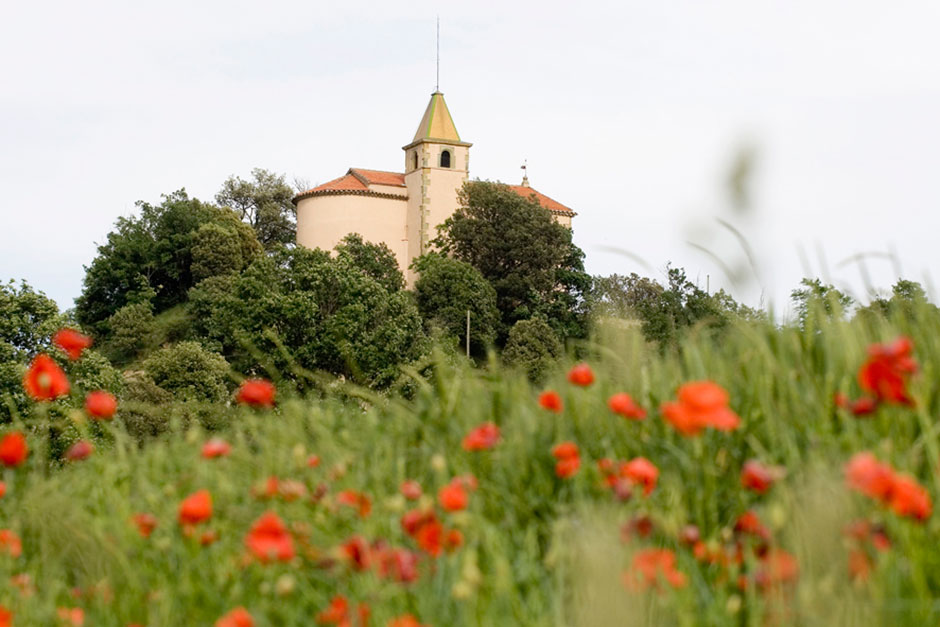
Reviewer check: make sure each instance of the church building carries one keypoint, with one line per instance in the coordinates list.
(401, 209)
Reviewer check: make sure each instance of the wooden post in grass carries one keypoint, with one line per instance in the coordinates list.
(468, 334)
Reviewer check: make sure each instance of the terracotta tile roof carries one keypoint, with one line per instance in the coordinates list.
(545, 201)
(380, 177)
(345, 182)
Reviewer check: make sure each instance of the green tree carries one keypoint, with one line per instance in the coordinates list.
(533, 347)
(302, 308)
(816, 300)
(374, 260)
(446, 290)
(28, 319)
(908, 301)
(130, 331)
(527, 257)
(266, 203)
(152, 254)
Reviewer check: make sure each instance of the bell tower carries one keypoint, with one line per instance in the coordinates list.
(436, 167)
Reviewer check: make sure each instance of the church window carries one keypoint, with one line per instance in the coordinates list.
(445, 159)
(414, 160)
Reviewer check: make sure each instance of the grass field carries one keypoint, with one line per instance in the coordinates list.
(527, 547)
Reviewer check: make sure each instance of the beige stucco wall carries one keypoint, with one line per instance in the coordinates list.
(322, 221)
(562, 220)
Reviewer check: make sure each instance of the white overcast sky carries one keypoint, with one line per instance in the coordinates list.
(629, 112)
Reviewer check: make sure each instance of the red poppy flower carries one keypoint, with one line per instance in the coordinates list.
(196, 508)
(71, 342)
(649, 565)
(239, 617)
(6, 617)
(887, 370)
(757, 477)
(357, 551)
(453, 540)
(406, 620)
(414, 519)
(700, 404)
(567, 467)
(13, 449)
(79, 451)
(356, 500)
(643, 472)
(3, 489)
(411, 490)
(909, 498)
(623, 405)
(256, 393)
(400, 565)
(569, 460)
(749, 523)
(870, 477)
(337, 613)
(101, 405)
(550, 400)
(777, 567)
(73, 615)
(430, 537)
(45, 380)
(581, 374)
(313, 461)
(10, 543)
(453, 496)
(481, 438)
(639, 526)
(269, 540)
(690, 535)
(216, 447)
(146, 523)
(863, 407)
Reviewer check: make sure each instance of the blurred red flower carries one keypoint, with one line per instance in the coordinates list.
(146, 523)
(269, 540)
(700, 404)
(411, 490)
(482, 437)
(887, 370)
(196, 508)
(581, 374)
(13, 449)
(453, 496)
(313, 461)
(867, 475)
(10, 543)
(863, 406)
(356, 500)
(45, 380)
(429, 535)
(909, 498)
(651, 564)
(643, 472)
(406, 620)
(749, 523)
(6, 617)
(400, 565)
(239, 617)
(757, 477)
(73, 615)
(256, 393)
(569, 459)
(79, 451)
(337, 613)
(71, 342)
(623, 405)
(101, 405)
(550, 400)
(357, 551)
(216, 447)
(777, 567)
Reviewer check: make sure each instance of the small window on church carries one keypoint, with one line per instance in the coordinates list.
(414, 160)
(445, 159)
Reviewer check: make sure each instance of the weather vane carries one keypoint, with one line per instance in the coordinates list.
(525, 172)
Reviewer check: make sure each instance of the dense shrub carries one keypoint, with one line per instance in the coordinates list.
(533, 347)
(189, 372)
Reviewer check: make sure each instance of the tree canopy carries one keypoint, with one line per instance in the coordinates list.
(266, 203)
(152, 256)
(527, 257)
